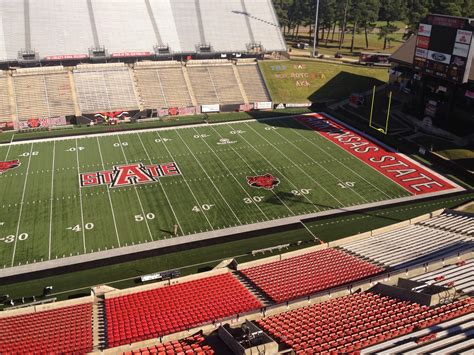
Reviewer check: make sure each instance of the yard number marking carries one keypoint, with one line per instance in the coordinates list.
(11, 238)
(140, 218)
(346, 185)
(202, 208)
(256, 199)
(77, 228)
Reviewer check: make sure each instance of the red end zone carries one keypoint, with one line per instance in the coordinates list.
(401, 170)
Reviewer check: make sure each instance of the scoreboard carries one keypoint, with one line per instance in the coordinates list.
(445, 47)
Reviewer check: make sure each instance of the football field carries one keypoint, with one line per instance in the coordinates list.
(75, 196)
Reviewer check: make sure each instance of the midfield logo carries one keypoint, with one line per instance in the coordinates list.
(128, 175)
(267, 181)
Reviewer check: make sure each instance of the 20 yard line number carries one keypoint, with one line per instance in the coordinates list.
(11, 238)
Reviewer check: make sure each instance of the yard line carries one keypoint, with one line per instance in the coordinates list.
(51, 207)
(212, 182)
(274, 167)
(108, 193)
(186, 182)
(313, 143)
(159, 182)
(254, 172)
(21, 205)
(80, 199)
(304, 172)
(236, 180)
(136, 191)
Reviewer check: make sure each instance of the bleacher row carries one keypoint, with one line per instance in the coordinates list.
(350, 323)
(57, 91)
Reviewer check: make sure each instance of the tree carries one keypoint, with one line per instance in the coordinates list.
(390, 11)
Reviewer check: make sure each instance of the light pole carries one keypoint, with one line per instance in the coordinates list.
(316, 29)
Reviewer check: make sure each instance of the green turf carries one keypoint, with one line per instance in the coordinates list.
(125, 274)
(46, 215)
(299, 81)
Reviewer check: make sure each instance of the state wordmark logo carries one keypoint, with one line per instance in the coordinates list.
(131, 174)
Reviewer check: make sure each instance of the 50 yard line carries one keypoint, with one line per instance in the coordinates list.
(21, 205)
(108, 193)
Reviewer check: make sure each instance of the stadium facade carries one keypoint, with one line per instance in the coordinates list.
(31, 30)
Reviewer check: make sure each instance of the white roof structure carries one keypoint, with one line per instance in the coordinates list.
(72, 27)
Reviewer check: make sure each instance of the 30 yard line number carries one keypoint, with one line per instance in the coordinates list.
(11, 238)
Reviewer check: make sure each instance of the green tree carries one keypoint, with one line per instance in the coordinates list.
(391, 11)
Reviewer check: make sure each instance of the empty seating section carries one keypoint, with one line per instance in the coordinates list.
(162, 86)
(411, 245)
(170, 309)
(226, 84)
(191, 345)
(253, 83)
(306, 274)
(456, 335)
(461, 275)
(62, 330)
(106, 87)
(357, 321)
(5, 110)
(203, 86)
(42, 94)
(174, 86)
(452, 222)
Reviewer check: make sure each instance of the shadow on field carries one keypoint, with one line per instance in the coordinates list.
(283, 196)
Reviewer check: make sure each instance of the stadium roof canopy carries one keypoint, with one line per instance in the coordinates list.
(73, 27)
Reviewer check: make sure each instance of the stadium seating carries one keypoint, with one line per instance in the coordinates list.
(452, 222)
(461, 275)
(5, 110)
(453, 336)
(306, 274)
(253, 83)
(190, 345)
(157, 312)
(162, 85)
(61, 330)
(105, 87)
(204, 88)
(407, 246)
(42, 93)
(350, 323)
(226, 84)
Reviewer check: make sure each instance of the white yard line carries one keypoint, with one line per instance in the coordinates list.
(161, 185)
(254, 172)
(300, 168)
(51, 206)
(80, 200)
(209, 178)
(322, 150)
(110, 198)
(274, 167)
(21, 206)
(136, 191)
(236, 180)
(186, 182)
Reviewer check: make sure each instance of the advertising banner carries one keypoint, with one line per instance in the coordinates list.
(210, 108)
(263, 105)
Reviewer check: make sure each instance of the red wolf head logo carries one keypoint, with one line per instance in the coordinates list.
(267, 181)
(7, 165)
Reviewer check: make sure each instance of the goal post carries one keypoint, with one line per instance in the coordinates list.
(387, 119)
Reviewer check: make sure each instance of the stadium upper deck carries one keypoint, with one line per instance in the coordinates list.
(54, 29)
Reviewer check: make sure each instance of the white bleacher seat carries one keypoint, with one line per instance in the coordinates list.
(204, 88)
(42, 93)
(105, 87)
(253, 83)
(411, 245)
(5, 110)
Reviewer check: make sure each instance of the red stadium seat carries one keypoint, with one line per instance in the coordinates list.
(161, 311)
(309, 273)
